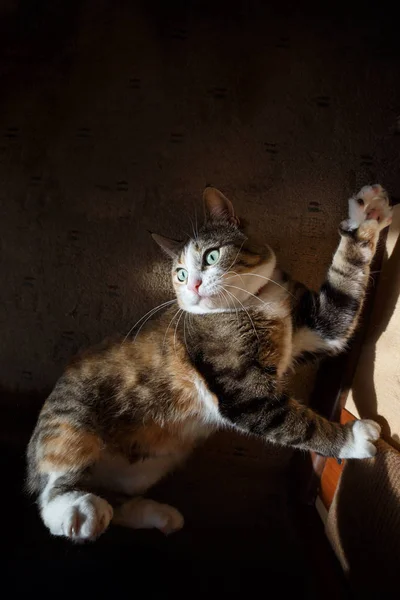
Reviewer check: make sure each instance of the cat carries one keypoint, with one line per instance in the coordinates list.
(126, 413)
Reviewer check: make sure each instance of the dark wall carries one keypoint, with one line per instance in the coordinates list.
(113, 117)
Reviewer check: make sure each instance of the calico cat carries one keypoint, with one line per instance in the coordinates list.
(125, 414)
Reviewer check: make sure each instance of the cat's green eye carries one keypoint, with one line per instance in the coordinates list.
(212, 257)
(182, 275)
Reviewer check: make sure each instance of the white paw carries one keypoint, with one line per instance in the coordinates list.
(364, 433)
(87, 519)
(143, 513)
(169, 519)
(77, 517)
(371, 203)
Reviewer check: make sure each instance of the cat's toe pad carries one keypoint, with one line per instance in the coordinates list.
(361, 444)
(370, 204)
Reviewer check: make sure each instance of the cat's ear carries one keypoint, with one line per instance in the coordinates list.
(171, 247)
(218, 207)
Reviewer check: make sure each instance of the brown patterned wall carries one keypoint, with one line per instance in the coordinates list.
(113, 117)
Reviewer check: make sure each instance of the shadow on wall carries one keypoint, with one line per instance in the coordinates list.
(364, 519)
(363, 389)
(18, 416)
(364, 523)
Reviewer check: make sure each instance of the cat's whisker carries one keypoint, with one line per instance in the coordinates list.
(176, 328)
(247, 292)
(226, 298)
(193, 229)
(144, 323)
(189, 236)
(191, 326)
(267, 279)
(245, 309)
(234, 274)
(238, 252)
(189, 323)
(220, 296)
(197, 225)
(152, 311)
(184, 331)
(170, 323)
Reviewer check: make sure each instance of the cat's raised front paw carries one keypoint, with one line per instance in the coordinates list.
(370, 204)
(361, 444)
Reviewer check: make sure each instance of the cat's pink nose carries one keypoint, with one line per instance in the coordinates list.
(194, 285)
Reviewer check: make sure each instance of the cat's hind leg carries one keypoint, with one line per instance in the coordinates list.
(60, 457)
(143, 513)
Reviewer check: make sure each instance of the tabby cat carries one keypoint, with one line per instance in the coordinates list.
(125, 414)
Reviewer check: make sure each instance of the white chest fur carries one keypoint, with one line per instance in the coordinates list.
(114, 472)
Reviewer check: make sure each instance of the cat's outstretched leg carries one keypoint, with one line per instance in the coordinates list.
(143, 513)
(324, 321)
(285, 421)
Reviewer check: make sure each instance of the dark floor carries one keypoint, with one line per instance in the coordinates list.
(231, 545)
(245, 529)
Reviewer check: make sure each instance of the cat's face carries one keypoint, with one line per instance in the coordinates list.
(218, 270)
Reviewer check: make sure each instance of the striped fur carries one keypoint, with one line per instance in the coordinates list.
(126, 413)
